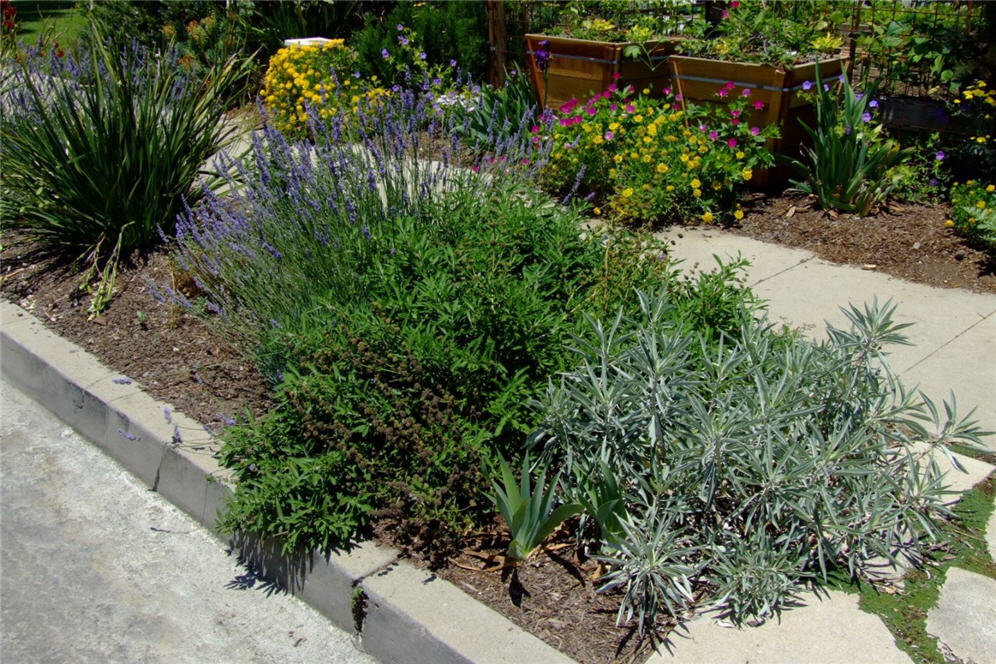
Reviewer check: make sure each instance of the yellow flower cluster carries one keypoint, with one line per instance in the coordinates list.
(653, 160)
(319, 77)
(973, 211)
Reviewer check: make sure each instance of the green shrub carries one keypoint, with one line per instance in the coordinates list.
(848, 166)
(444, 31)
(747, 465)
(100, 154)
(973, 211)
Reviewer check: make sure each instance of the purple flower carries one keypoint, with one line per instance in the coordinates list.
(453, 63)
(421, 55)
(807, 85)
(400, 27)
(866, 117)
(542, 55)
(932, 182)
(609, 135)
(384, 54)
(713, 135)
(873, 103)
(403, 40)
(847, 130)
(940, 155)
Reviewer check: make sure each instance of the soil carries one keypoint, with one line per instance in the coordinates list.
(178, 360)
(906, 241)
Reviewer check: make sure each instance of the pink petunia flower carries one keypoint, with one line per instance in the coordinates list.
(616, 76)
(735, 122)
(730, 85)
(758, 105)
(746, 92)
(732, 142)
(754, 131)
(735, 113)
(722, 93)
(609, 135)
(666, 91)
(713, 135)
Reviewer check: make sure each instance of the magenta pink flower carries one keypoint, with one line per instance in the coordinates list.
(613, 87)
(735, 113)
(746, 92)
(754, 131)
(713, 135)
(535, 129)
(677, 97)
(609, 135)
(722, 93)
(613, 107)
(730, 85)
(702, 127)
(591, 110)
(758, 105)
(616, 76)
(630, 108)
(666, 91)
(735, 122)
(732, 142)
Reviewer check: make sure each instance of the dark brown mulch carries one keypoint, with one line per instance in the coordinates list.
(552, 595)
(909, 241)
(170, 353)
(175, 358)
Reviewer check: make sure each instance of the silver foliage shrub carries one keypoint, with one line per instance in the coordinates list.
(746, 466)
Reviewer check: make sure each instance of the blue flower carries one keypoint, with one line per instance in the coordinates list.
(866, 117)
(807, 85)
(422, 55)
(384, 54)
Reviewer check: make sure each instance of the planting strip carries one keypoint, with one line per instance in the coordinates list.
(401, 613)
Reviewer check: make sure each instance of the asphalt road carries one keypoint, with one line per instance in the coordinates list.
(95, 567)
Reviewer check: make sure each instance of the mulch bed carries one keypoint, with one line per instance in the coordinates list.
(176, 359)
(906, 241)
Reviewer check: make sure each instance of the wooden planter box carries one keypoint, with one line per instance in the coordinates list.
(581, 68)
(698, 80)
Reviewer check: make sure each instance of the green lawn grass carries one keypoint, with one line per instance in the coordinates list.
(63, 20)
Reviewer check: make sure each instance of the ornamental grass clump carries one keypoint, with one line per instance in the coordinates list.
(99, 154)
(748, 465)
(651, 161)
(406, 311)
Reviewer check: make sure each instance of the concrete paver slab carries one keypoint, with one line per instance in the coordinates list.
(965, 616)
(991, 535)
(828, 630)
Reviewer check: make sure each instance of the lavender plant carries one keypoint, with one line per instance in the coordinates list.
(781, 459)
(101, 152)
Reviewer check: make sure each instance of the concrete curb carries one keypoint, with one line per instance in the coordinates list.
(399, 613)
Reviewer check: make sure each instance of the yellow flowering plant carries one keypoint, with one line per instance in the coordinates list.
(973, 211)
(320, 77)
(974, 113)
(652, 161)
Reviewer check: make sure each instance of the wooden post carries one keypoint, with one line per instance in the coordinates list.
(498, 38)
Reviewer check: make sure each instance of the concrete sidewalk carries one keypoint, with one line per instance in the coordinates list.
(954, 333)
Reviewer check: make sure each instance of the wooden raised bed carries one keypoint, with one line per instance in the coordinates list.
(581, 68)
(698, 80)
